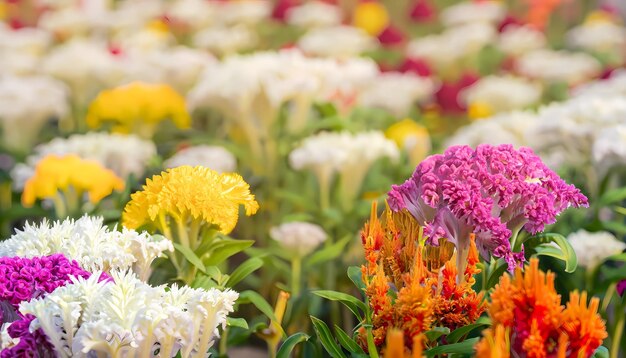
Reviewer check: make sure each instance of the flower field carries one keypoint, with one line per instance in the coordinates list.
(313, 178)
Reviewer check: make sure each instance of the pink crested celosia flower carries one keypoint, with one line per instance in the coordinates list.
(621, 287)
(492, 191)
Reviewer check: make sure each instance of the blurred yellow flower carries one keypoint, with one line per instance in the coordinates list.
(191, 194)
(370, 16)
(479, 110)
(410, 137)
(600, 16)
(138, 108)
(71, 176)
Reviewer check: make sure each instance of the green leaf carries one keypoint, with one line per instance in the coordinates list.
(237, 322)
(241, 272)
(494, 275)
(258, 301)
(612, 196)
(326, 338)
(328, 253)
(564, 252)
(290, 343)
(461, 332)
(601, 352)
(435, 333)
(615, 227)
(347, 342)
(465, 347)
(355, 275)
(618, 257)
(351, 302)
(223, 249)
(190, 256)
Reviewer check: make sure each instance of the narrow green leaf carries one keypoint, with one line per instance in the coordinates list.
(326, 338)
(290, 343)
(241, 272)
(190, 256)
(351, 302)
(612, 196)
(461, 332)
(355, 275)
(494, 275)
(237, 322)
(615, 227)
(435, 333)
(542, 245)
(258, 301)
(347, 342)
(328, 253)
(223, 249)
(465, 347)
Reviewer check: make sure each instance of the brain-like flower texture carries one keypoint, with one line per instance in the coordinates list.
(491, 191)
(60, 173)
(190, 193)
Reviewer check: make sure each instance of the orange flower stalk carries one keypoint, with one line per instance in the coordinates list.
(529, 310)
(410, 287)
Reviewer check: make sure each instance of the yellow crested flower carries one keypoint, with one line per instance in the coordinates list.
(600, 16)
(410, 137)
(190, 194)
(138, 108)
(370, 16)
(71, 177)
(479, 110)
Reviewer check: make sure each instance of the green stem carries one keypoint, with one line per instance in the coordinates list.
(183, 236)
(371, 346)
(224, 343)
(296, 274)
(618, 331)
(59, 206)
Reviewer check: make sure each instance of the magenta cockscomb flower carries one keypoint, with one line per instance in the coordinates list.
(621, 287)
(492, 191)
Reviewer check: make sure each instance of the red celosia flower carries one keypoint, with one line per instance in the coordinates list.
(448, 94)
(422, 11)
(391, 36)
(417, 66)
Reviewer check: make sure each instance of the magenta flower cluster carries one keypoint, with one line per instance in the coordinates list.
(22, 279)
(621, 287)
(492, 191)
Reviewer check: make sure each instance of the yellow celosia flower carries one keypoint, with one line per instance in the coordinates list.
(599, 16)
(479, 110)
(371, 16)
(190, 194)
(410, 137)
(70, 175)
(138, 108)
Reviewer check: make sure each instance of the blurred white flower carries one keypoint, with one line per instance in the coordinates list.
(246, 12)
(558, 66)
(453, 45)
(26, 104)
(614, 85)
(197, 14)
(502, 93)
(503, 128)
(609, 147)
(337, 41)
(397, 92)
(213, 157)
(67, 22)
(224, 41)
(314, 14)
(133, 16)
(299, 238)
(124, 154)
(467, 12)
(28, 40)
(89, 242)
(518, 40)
(598, 36)
(594, 247)
(88, 317)
(18, 64)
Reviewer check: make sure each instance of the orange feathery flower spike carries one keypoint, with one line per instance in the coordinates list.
(529, 306)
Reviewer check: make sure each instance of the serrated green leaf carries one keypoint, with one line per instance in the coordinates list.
(245, 269)
(461, 332)
(290, 343)
(347, 342)
(237, 322)
(222, 249)
(435, 333)
(326, 338)
(465, 347)
(328, 253)
(190, 256)
(351, 302)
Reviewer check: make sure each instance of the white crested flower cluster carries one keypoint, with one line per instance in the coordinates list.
(503, 93)
(347, 42)
(127, 317)
(594, 247)
(612, 86)
(314, 14)
(123, 154)
(467, 12)
(299, 238)
(214, 157)
(503, 128)
(518, 40)
(397, 92)
(94, 246)
(558, 66)
(598, 36)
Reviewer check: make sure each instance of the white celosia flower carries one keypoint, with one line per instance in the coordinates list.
(213, 157)
(126, 316)
(145, 40)
(609, 147)
(518, 40)
(615, 85)
(130, 16)
(18, 64)
(594, 247)
(314, 14)
(503, 93)
(29, 40)
(299, 238)
(558, 66)
(471, 12)
(26, 104)
(197, 14)
(123, 154)
(504, 128)
(97, 68)
(246, 12)
(598, 36)
(68, 22)
(453, 45)
(397, 92)
(224, 41)
(90, 243)
(336, 41)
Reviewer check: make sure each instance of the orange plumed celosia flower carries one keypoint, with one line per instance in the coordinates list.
(539, 12)
(495, 343)
(529, 309)
(396, 348)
